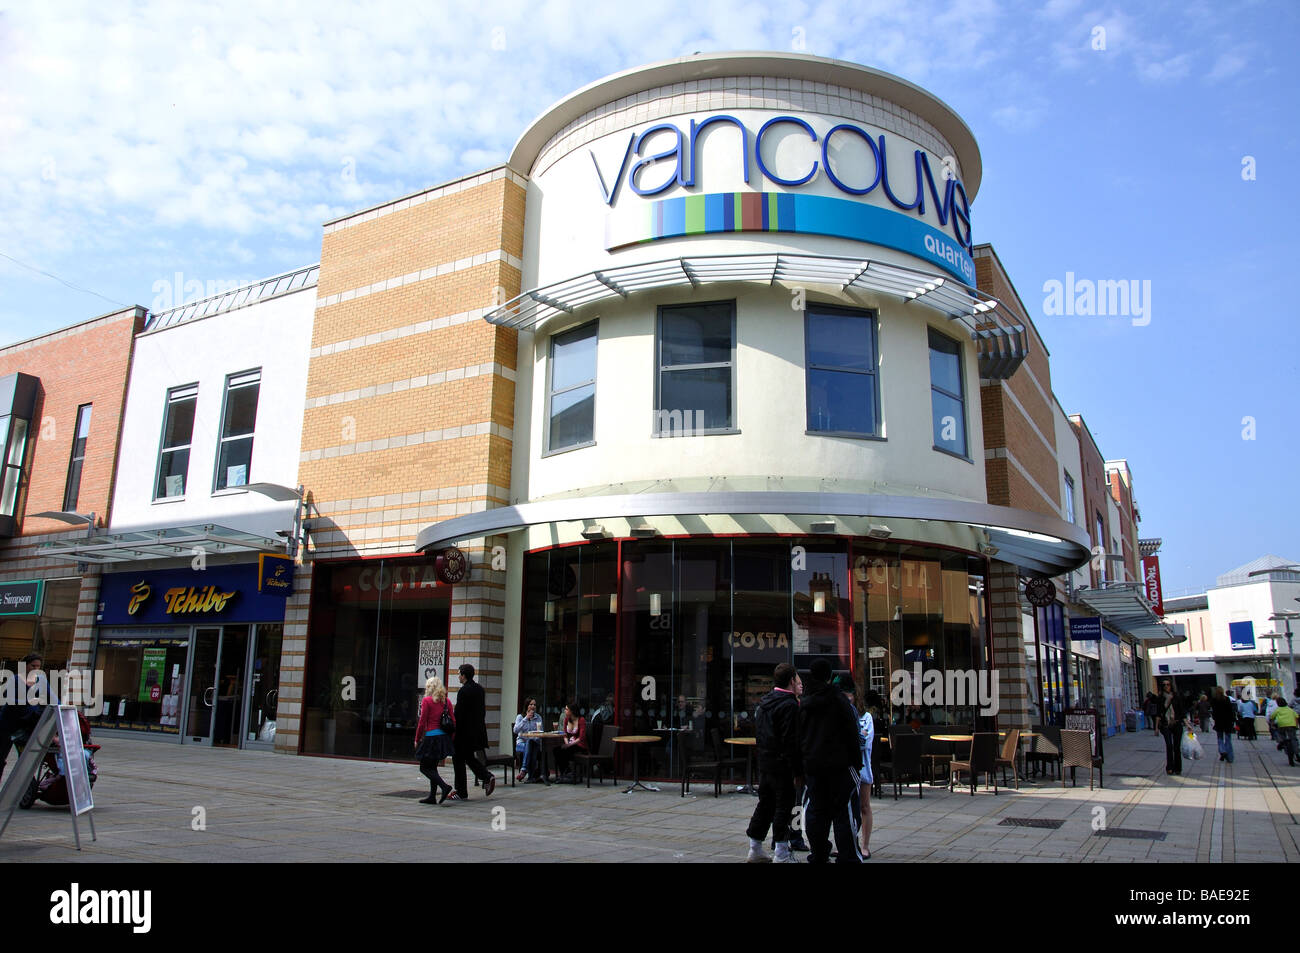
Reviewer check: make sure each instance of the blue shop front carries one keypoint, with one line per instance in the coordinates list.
(193, 654)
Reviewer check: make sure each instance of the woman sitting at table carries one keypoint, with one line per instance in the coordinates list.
(529, 750)
(575, 738)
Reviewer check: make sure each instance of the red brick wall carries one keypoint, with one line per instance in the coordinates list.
(85, 364)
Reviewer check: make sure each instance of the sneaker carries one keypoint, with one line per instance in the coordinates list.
(783, 854)
(431, 799)
(798, 843)
(757, 855)
(453, 796)
(489, 786)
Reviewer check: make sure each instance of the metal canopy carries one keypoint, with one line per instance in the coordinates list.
(169, 543)
(1125, 609)
(1029, 540)
(1000, 340)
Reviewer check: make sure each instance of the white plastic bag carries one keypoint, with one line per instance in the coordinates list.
(1192, 750)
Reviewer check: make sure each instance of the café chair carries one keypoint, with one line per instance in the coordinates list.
(905, 760)
(935, 753)
(1045, 749)
(603, 758)
(1076, 752)
(983, 760)
(713, 763)
(1007, 759)
(506, 762)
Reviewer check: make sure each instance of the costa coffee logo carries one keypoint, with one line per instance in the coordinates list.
(452, 565)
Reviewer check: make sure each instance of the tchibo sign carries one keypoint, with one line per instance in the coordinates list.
(665, 155)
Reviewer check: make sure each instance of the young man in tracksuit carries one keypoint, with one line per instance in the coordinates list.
(776, 724)
(828, 739)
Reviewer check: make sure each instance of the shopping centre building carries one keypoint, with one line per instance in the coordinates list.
(707, 376)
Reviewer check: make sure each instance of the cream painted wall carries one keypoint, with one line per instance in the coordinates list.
(1069, 461)
(275, 336)
(769, 405)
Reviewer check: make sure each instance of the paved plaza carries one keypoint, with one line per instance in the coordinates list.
(264, 807)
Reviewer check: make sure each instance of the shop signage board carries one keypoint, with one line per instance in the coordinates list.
(183, 596)
(1085, 629)
(152, 666)
(433, 661)
(21, 598)
(1242, 636)
(1151, 584)
(275, 575)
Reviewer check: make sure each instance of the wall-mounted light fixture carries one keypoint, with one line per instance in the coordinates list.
(550, 610)
(595, 532)
(879, 531)
(613, 602)
(826, 525)
(656, 604)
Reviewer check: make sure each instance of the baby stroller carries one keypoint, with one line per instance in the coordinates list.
(50, 783)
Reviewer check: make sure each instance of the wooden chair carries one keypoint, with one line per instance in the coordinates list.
(604, 756)
(983, 760)
(1007, 759)
(1076, 752)
(905, 760)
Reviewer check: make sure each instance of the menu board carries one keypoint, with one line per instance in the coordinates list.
(74, 761)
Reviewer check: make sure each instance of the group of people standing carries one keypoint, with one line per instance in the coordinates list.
(812, 746)
(458, 730)
(1231, 715)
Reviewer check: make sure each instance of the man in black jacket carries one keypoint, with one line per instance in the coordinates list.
(776, 723)
(828, 738)
(471, 734)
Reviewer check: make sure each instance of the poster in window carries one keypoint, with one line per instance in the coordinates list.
(153, 662)
(433, 660)
(237, 476)
(176, 485)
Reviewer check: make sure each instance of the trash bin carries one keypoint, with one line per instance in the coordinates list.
(1130, 721)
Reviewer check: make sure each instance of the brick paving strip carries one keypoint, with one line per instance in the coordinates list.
(261, 807)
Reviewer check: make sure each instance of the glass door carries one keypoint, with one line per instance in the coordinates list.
(232, 667)
(201, 697)
(263, 685)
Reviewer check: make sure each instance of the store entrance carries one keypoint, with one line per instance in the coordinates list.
(216, 699)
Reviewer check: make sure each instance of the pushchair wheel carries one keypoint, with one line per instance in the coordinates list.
(29, 796)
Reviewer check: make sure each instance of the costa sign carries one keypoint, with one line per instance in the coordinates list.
(669, 147)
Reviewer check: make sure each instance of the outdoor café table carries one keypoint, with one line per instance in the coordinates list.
(749, 763)
(549, 741)
(635, 740)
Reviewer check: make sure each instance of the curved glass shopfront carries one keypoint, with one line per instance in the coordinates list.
(684, 633)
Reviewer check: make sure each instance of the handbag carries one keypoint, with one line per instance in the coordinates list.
(447, 722)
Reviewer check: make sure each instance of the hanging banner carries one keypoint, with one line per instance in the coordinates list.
(1085, 629)
(1151, 583)
(275, 575)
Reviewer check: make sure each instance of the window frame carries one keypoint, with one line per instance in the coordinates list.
(551, 393)
(872, 317)
(174, 395)
(1069, 497)
(223, 438)
(71, 494)
(932, 334)
(733, 408)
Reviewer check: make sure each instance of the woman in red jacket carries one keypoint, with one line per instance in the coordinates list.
(432, 744)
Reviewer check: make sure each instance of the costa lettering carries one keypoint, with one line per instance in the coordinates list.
(758, 640)
(184, 601)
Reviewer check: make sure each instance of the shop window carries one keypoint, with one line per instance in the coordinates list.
(840, 357)
(947, 395)
(238, 418)
(79, 436)
(178, 430)
(695, 385)
(15, 430)
(571, 417)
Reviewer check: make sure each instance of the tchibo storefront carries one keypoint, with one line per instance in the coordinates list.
(746, 422)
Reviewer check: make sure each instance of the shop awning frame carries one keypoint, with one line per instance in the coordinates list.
(1032, 541)
(1124, 608)
(1001, 341)
(172, 542)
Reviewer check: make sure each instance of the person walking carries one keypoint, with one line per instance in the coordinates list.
(432, 741)
(471, 734)
(1225, 722)
(780, 768)
(1270, 706)
(1284, 720)
(1203, 712)
(1248, 712)
(1172, 713)
(828, 741)
(1152, 710)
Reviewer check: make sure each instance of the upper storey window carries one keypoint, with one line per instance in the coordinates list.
(843, 393)
(696, 382)
(947, 395)
(238, 419)
(178, 430)
(571, 418)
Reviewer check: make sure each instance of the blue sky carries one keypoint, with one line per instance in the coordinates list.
(138, 142)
